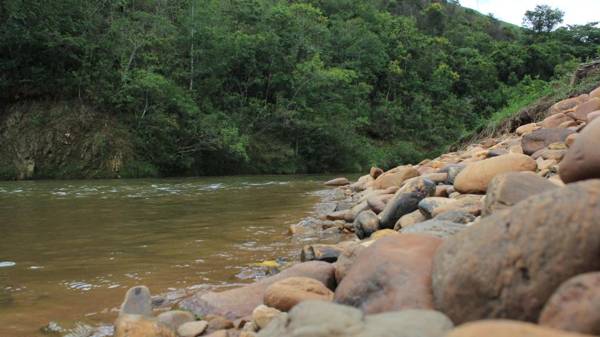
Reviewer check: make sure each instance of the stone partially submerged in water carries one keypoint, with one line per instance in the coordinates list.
(240, 302)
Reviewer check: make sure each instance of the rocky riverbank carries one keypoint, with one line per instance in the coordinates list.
(499, 239)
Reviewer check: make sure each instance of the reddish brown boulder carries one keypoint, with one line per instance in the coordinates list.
(394, 273)
(541, 138)
(582, 160)
(505, 328)
(510, 263)
(595, 92)
(240, 302)
(575, 306)
(476, 176)
(508, 189)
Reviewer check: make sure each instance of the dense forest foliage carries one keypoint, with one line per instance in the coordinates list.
(274, 86)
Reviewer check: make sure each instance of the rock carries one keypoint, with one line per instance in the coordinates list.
(192, 329)
(441, 191)
(428, 205)
(509, 264)
(453, 170)
(240, 302)
(394, 273)
(527, 129)
(554, 121)
(218, 333)
(575, 305)
(346, 260)
(470, 203)
(383, 233)
(593, 115)
(366, 223)
(570, 140)
(508, 189)
(338, 215)
(320, 252)
(356, 210)
(437, 178)
(133, 325)
(456, 216)
(263, 315)
(174, 318)
(409, 220)
(582, 111)
(337, 182)
(217, 322)
(375, 172)
(439, 228)
(568, 104)
(377, 202)
(541, 138)
(405, 201)
(476, 176)
(395, 177)
(285, 294)
(505, 328)
(582, 160)
(547, 153)
(137, 302)
(496, 153)
(322, 319)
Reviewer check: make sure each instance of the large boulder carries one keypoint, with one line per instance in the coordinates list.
(510, 263)
(438, 228)
(405, 201)
(582, 160)
(541, 138)
(394, 273)
(395, 177)
(285, 294)
(507, 189)
(575, 306)
(322, 319)
(505, 328)
(476, 176)
(240, 302)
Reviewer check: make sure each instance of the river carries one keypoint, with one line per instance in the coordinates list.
(70, 249)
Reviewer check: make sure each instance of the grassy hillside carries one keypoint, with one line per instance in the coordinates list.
(194, 87)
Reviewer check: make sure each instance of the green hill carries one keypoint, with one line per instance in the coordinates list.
(152, 88)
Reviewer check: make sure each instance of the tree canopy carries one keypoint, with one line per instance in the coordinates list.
(274, 86)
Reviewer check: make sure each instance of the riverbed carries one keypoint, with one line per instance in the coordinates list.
(70, 249)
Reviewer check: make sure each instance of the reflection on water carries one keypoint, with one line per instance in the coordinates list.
(70, 249)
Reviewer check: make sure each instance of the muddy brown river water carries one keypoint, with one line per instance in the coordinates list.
(70, 249)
